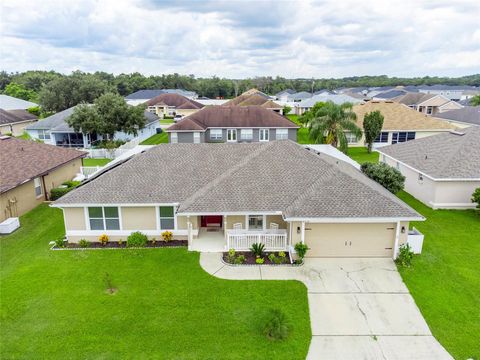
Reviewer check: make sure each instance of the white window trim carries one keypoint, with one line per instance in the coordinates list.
(40, 186)
(174, 138)
(157, 212)
(216, 134)
(196, 137)
(244, 132)
(232, 131)
(281, 134)
(264, 131)
(87, 218)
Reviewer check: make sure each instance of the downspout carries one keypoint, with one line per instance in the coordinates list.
(45, 195)
(395, 246)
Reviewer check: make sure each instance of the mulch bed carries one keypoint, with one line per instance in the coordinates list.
(250, 258)
(116, 245)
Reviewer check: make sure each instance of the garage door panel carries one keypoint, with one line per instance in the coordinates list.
(350, 240)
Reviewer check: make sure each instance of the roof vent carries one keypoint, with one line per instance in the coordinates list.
(453, 132)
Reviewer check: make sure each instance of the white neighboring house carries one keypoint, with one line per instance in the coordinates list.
(142, 96)
(54, 130)
(452, 92)
(305, 105)
(442, 170)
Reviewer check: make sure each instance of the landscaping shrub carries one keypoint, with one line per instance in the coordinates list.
(137, 239)
(257, 249)
(240, 259)
(167, 236)
(57, 193)
(276, 327)
(71, 183)
(259, 260)
(60, 242)
(405, 256)
(84, 243)
(103, 239)
(476, 197)
(272, 257)
(231, 256)
(301, 249)
(387, 176)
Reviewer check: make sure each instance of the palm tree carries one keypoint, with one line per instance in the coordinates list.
(328, 124)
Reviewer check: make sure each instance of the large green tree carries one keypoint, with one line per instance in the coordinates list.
(108, 114)
(20, 92)
(475, 101)
(329, 122)
(372, 127)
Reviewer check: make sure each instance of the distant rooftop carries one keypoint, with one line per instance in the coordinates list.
(12, 103)
(148, 94)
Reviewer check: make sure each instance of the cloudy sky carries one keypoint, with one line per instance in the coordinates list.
(243, 38)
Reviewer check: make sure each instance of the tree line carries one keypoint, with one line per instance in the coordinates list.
(56, 91)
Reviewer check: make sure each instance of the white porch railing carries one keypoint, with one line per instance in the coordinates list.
(88, 171)
(242, 240)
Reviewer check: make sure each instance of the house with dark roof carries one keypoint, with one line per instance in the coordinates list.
(29, 170)
(13, 122)
(428, 104)
(229, 196)
(169, 105)
(464, 117)
(254, 97)
(232, 124)
(443, 170)
(54, 130)
(142, 96)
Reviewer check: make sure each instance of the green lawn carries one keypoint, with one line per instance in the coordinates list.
(96, 162)
(156, 139)
(361, 155)
(166, 121)
(54, 303)
(445, 279)
(294, 118)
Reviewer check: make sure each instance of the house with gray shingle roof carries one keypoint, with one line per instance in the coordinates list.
(441, 170)
(224, 196)
(54, 130)
(464, 117)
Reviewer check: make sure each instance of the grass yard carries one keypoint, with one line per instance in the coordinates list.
(166, 121)
(54, 304)
(294, 118)
(445, 279)
(361, 155)
(96, 162)
(156, 139)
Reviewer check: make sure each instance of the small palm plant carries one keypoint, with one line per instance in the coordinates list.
(257, 249)
(277, 326)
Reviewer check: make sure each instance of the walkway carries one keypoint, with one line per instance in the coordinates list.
(359, 307)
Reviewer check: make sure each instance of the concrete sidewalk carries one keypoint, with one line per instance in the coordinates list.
(359, 307)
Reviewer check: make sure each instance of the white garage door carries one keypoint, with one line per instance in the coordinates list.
(350, 240)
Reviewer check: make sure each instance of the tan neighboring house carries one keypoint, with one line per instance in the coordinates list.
(13, 122)
(443, 170)
(172, 104)
(254, 97)
(229, 196)
(427, 104)
(29, 170)
(400, 123)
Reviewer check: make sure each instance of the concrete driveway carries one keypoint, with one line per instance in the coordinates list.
(359, 307)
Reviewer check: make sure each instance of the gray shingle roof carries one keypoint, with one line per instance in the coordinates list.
(151, 93)
(445, 156)
(469, 114)
(12, 103)
(275, 176)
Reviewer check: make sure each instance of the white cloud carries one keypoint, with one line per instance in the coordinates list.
(239, 39)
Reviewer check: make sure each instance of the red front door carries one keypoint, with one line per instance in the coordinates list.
(211, 221)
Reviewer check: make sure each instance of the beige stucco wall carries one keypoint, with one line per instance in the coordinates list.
(64, 173)
(182, 222)
(233, 219)
(16, 129)
(139, 218)
(278, 219)
(370, 240)
(74, 218)
(25, 200)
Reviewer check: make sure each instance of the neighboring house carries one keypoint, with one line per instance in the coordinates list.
(13, 122)
(54, 130)
(29, 170)
(283, 95)
(142, 96)
(212, 102)
(299, 96)
(13, 103)
(442, 170)
(254, 97)
(400, 124)
(232, 124)
(451, 92)
(389, 94)
(171, 105)
(428, 104)
(305, 105)
(464, 117)
(228, 196)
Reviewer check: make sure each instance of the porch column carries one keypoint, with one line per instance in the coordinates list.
(189, 233)
(303, 232)
(397, 236)
(225, 224)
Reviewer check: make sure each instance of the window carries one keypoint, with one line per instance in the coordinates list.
(246, 134)
(152, 109)
(382, 138)
(402, 137)
(282, 134)
(264, 134)
(44, 134)
(351, 138)
(104, 218)
(38, 187)
(429, 110)
(167, 218)
(231, 135)
(196, 138)
(216, 134)
(174, 137)
(255, 222)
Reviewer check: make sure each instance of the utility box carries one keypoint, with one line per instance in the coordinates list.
(9, 225)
